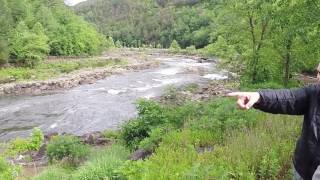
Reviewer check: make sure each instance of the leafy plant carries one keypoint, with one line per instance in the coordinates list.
(7, 171)
(175, 47)
(67, 147)
(32, 143)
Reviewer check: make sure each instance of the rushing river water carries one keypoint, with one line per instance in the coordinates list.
(103, 105)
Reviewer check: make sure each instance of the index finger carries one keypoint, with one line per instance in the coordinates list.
(234, 94)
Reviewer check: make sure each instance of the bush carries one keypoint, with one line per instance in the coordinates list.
(7, 171)
(103, 164)
(36, 140)
(67, 147)
(220, 49)
(118, 44)
(151, 114)
(191, 49)
(175, 47)
(20, 145)
(110, 43)
(29, 47)
(155, 136)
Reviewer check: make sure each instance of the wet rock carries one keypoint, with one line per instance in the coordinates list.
(94, 138)
(49, 135)
(140, 154)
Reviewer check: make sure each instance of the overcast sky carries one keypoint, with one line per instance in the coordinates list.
(73, 2)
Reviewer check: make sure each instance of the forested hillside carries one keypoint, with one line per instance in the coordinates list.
(31, 30)
(155, 23)
(266, 40)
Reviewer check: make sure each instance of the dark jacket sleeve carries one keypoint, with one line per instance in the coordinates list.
(285, 101)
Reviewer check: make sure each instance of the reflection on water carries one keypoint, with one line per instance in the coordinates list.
(99, 106)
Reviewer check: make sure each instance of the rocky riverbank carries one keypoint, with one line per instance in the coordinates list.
(70, 80)
(193, 92)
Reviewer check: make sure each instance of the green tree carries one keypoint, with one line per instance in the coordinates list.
(28, 47)
(175, 46)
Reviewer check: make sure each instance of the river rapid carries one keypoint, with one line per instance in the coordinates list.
(102, 105)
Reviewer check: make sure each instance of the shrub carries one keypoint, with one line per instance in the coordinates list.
(220, 49)
(7, 171)
(36, 139)
(118, 44)
(103, 164)
(20, 145)
(151, 114)
(151, 142)
(29, 47)
(191, 49)
(175, 47)
(67, 147)
(109, 43)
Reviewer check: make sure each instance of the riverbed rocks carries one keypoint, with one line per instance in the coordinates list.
(140, 154)
(95, 138)
(69, 81)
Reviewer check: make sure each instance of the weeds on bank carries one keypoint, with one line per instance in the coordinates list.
(206, 140)
(52, 69)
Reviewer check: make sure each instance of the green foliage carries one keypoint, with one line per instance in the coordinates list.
(175, 47)
(67, 147)
(32, 143)
(191, 48)
(25, 41)
(103, 164)
(150, 143)
(55, 69)
(118, 44)
(110, 42)
(111, 134)
(53, 173)
(146, 22)
(4, 53)
(18, 145)
(262, 152)
(220, 48)
(151, 114)
(7, 171)
(193, 87)
(28, 47)
(36, 140)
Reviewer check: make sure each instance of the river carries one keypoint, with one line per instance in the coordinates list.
(102, 105)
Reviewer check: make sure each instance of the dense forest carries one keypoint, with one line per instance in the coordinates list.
(268, 41)
(34, 29)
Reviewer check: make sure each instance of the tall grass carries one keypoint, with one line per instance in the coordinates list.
(53, 69)
(102, 164)
(208, 140)
(261, 152)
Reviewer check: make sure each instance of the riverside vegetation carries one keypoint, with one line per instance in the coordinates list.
(190, 140)
(265, 42)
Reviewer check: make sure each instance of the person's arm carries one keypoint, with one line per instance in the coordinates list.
(285, 101)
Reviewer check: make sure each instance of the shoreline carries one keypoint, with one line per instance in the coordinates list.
(71, 80)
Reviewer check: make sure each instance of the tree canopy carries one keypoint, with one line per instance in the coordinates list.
(34, 29)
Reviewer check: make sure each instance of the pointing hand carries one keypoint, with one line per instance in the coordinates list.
(245, 99)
